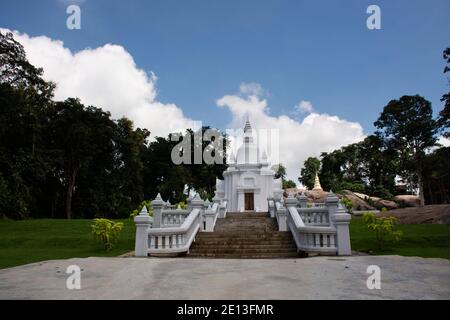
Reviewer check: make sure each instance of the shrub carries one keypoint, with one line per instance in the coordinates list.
(147, 204)
(182, 205)
(382, 226)
(384, 209)
(106, 232)
(347, 203)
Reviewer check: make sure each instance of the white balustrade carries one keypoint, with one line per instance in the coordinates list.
(172, 231)
(320, 229)
(172, 240)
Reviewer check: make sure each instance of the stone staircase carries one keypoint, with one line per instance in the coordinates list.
(244, 235)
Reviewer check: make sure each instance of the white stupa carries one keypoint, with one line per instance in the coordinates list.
(248, 181)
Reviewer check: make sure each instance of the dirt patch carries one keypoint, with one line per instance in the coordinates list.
(433, 214)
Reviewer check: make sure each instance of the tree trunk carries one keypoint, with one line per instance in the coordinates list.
(421, 195)
(69, 194)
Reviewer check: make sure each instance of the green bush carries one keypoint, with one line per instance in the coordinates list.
(182, 205)
(382, 226)
(347, 203)
(147, 204)
(106, 232)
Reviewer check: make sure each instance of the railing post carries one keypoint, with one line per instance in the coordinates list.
(332, 204)
(210, 216)
(302, 200)
(289, 202)
(342, 221)
(270, 206)
(157, 205)
(142, 221)
(198, 203)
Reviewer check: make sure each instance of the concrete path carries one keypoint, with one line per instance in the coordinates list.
(184, 278)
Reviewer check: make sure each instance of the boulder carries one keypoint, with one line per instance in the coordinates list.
(316, 196)
(408, 200)
(364, 197)
(390, 205)
(358, 203)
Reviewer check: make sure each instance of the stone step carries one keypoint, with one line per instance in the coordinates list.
(244, 235)
(244, 246)
(244, 241)
(244, 256)
(244, 252)
(240, 235)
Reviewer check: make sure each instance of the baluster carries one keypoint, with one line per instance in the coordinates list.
(174, 241)
(317, 236)
(332, 240)
(160, 242)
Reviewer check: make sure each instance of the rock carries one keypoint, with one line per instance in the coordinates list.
(364, 197)
(408, 200)
(390, 205)
(316, 196)
(358, 203)
(432, 214)
(292, 191)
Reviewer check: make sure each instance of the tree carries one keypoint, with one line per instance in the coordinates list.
(308, 173)
(407, 124)
(15, 69)
(437, 176)
(280, 171)
(444, 115)
(289, 184)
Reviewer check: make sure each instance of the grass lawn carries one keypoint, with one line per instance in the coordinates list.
(422, 240)
(27, 241)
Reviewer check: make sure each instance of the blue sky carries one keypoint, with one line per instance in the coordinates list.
(319, 51)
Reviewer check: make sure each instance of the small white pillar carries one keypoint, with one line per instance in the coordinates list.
(157, 205)
(142, 221)
(302, 200)
(198, 203)
(342, 221)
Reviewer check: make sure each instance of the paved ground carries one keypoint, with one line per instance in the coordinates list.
(183, 278)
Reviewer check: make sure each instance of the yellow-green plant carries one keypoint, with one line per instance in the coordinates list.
(382, 226)
(106, 232)
(182, 205)
(347, 203)
(147, 204)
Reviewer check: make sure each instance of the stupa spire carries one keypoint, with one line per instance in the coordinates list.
(317, 186)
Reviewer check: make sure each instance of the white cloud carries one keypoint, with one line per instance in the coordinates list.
(444, 141)
(304, 107)
(315, 134)
(251, 88)
(105, 77)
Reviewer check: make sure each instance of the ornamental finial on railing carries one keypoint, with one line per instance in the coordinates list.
(144, 211)
(158, 201)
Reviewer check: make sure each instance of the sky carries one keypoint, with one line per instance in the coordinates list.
(311, 69)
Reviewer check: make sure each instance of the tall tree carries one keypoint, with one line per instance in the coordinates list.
(81, 134)
(308, 173)
(280, 171)
(444, 115)
(408, 125)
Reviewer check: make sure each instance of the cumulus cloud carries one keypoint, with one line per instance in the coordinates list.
(304, 107)
(105, 77)
(298, 140)
(251, 88)
(444, 141)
